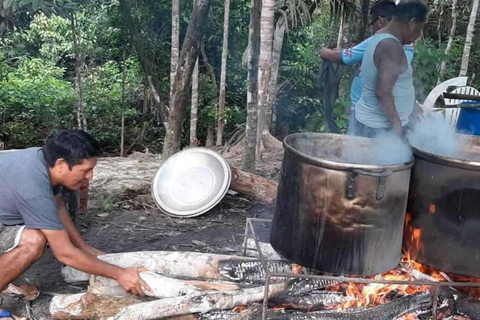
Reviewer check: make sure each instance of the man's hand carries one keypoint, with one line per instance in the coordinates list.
(130, 280)
(93, 251)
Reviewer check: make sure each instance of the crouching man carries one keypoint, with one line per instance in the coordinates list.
(33, 214)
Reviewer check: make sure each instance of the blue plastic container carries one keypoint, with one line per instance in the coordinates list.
(469, 119)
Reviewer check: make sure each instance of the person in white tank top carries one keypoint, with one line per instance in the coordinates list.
(388, 95)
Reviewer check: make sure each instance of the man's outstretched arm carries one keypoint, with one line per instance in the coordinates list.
(72, 231)
(65, 252)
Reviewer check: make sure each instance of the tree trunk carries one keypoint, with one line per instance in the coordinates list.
(194, 110)
(340, 30)
(264, 68)
(175, 42)
(254, 187)
(81, 117)
(223, 76)
(183, 77)
(122, 129)
(362, 30)
(148, 65)
(252, 93)
(276, 57)
(469, 38)
(450, 40)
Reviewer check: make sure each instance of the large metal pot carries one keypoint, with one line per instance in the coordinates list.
(444, 205)
(338, 217)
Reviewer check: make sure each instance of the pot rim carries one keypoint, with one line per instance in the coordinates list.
(446, 160)
(337, 165)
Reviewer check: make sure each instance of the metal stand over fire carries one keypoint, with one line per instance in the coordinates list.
(250, 233)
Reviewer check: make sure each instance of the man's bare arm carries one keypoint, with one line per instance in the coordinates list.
(390, 62)
(334, 55)
(65, 252)
(72, 231)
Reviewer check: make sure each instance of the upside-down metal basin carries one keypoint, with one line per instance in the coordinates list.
(339, 217)
(191, 182)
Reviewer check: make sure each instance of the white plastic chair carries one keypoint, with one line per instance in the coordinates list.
(432, 97)
(452, 114)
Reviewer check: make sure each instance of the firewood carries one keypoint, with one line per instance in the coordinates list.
(391, 310)
(162, 286)
(89, 306)
(254, 186)
(253, 271)
(313, 301)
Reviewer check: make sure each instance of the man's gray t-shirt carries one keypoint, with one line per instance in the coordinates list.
(26, 194)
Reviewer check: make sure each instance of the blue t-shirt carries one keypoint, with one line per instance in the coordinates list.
(354, 55)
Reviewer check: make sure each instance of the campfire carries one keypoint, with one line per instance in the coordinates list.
(216, 287)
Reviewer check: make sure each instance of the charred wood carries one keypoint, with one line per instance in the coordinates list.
(253, 271)
(303, 285)
(313, 301)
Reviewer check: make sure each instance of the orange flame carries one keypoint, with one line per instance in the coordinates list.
(374, 294)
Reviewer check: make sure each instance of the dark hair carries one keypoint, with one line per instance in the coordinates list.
(385, 9)
(71, 145)
(412, 9)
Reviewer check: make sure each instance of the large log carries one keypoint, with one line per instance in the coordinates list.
(254, 186)
(194, 265)
(89, 306)
(162, 286)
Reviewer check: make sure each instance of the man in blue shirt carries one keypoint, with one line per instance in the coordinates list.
(381, 14)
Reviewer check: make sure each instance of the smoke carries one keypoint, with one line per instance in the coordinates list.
(434, 134)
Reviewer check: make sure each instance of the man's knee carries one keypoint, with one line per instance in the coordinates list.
(33, 242)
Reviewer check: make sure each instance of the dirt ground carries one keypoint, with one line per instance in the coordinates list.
(122, 217)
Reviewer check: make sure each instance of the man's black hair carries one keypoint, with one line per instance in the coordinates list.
(411, 9)
(385, 9)
(71, 145)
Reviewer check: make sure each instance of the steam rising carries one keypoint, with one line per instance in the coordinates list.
(385, 149)
(434, 134)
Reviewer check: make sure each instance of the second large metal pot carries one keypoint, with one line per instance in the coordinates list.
(443, 226)
(339, 217)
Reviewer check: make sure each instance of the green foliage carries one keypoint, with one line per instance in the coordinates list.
(426, 64)
(34, 103)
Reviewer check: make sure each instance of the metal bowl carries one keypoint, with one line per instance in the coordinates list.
(191, 182)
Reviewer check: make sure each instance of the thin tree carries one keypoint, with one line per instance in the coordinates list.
(81, 116)
(175, 41)
(183, 77)
(252, 101)
(450, 39)
(223, 75)
(122, 129)
(194, 108)
(469, 38)
(264, 69)
(280, 29)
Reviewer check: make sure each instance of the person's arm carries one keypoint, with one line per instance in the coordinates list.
(390, 62)
(334, 55)
(72, 231)
(67, 253)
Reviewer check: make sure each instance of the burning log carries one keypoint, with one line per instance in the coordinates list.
(313, 301)
(74, 306)
(468, 308)
(303, 285)
(162, 286)
(391, 310)
(253, 271)
(254, 186)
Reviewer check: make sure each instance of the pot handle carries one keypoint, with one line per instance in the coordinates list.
(385, 173)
